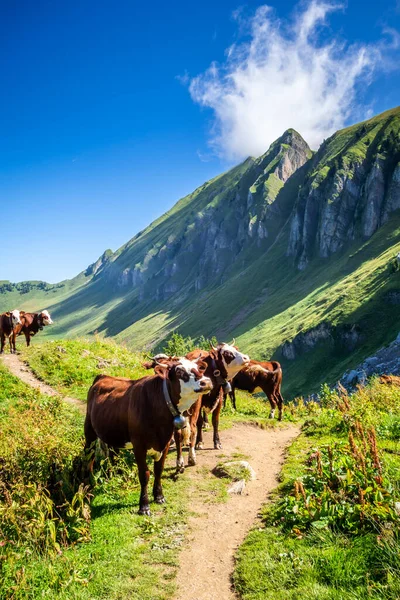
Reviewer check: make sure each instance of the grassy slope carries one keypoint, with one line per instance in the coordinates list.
(270, 301)
(127, 556)
(264, 299)
(347, 289)
(324, 564)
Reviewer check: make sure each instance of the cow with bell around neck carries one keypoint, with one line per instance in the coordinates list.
(137, 413)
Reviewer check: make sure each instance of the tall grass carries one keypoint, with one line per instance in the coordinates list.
(44, 507)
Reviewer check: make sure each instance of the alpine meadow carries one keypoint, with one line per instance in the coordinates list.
(293, 253)
(211, 410)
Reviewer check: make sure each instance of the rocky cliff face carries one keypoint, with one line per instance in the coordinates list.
(352, 188)
(218, 224)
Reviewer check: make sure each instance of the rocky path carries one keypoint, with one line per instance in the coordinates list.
(20, 370)
(217, 529)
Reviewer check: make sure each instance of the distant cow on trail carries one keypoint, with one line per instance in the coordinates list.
(266, 376)
(140, 414)
(30, 324)
(8, 322)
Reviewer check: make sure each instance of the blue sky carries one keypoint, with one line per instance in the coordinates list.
(104, 126)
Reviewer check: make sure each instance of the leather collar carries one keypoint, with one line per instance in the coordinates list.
(173, 409)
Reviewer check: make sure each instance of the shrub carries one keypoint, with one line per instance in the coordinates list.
(43, 504)
(178, 345)
(345, 488)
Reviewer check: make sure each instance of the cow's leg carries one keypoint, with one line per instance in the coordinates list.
(158, 469)
(90, 438)
(13, 337)
(199, 436)
(270, 395)
(279, 399)
(215, 422)
(180, 464)
(193, 420)
(144, 474)
(3, 341)
(206, 424)
(233, 398)
(28, 338)
(10, 342)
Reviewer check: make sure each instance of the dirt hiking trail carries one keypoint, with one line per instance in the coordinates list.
(216, 529)
(22, 371)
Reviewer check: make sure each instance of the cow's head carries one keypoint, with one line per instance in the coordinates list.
(187, 380)
(45, 318)
(15, 317)
(229, 360)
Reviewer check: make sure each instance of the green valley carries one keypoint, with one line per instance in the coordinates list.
(292, 253)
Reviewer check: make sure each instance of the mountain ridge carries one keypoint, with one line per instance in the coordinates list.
(248, 254)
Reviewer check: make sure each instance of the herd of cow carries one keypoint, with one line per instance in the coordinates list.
(147, 413)
(17, 322)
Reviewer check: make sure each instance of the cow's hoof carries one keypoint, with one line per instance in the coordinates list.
(180, 469)
(144, 510)
(199, 446)
(191, 461)
(159, 500)
(217, 446)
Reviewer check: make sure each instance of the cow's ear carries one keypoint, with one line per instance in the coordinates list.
(161, 370)
(21, 313)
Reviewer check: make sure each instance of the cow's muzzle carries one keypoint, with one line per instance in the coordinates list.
(205, 385)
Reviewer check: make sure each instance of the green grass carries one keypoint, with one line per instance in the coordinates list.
(119, 554)
(325, 563)
(71, 365)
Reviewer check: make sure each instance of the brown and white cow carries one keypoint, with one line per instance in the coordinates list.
(223, 362)
(8, 322)
(30, 324)
(140, 414)
(266, 376)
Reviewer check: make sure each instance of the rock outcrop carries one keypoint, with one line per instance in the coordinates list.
(384, 361)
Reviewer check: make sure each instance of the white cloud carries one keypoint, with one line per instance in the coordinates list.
(286, 75)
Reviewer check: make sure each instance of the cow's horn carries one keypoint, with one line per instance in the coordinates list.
(232, 342)
(212, 347)
(161, 365)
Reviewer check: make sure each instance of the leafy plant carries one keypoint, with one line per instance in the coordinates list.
(345, 488)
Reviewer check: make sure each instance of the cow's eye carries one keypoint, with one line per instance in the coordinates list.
(201, 368)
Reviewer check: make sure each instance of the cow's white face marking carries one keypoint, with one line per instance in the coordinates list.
(233, 365)
(193, 386)
(46, 318)
(15, 317)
